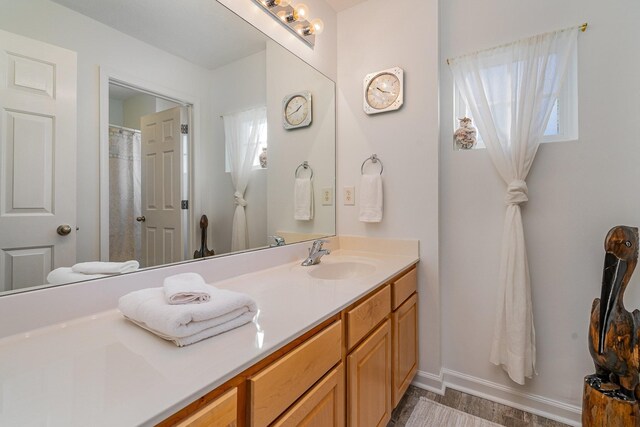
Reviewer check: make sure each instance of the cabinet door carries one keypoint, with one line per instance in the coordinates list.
(222, 412)
(369, 380)
(405, 346)
(322, 406)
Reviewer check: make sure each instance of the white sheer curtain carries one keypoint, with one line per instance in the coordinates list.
(242, 134)
(125, 235)
(511, 91)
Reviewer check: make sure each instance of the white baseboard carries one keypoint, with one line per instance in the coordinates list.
(535, 404)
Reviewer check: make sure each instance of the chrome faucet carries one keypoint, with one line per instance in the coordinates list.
(315, 253)
(278, 241)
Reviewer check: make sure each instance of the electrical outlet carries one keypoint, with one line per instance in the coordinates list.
(349, 196)
(327, 196)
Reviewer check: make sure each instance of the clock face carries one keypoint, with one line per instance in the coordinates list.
(297, 110)
(383, 91)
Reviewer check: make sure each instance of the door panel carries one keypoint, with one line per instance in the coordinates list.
(162, 181)
(37, 159)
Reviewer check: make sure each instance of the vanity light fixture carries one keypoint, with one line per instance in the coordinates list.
(295, 18)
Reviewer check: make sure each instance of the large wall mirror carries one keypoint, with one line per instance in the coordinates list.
(124, 122)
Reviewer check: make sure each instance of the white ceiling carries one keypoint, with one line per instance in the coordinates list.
(339, 5)
(201, 31)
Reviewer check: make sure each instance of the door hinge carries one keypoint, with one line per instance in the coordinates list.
(184, 204)
(184, 129)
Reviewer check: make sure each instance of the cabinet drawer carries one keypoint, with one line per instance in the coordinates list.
(404, 287)
(222, 412)
(276, 387)
(322, 406)
(366, 315)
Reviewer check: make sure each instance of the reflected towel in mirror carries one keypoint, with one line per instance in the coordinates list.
(63, 275)
(98, 267)
(303, 199)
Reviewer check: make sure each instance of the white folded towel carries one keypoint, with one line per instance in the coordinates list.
(186, 288)
(187, 323)
(303, 199)
(98, 267)
(370, 198)
(63, 275)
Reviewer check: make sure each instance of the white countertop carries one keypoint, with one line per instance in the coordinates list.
(103, 370)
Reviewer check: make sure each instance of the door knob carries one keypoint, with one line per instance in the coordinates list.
(141, 219)
(63, 229)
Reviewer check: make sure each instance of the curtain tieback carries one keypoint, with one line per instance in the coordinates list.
(239, 200)
(516, 193)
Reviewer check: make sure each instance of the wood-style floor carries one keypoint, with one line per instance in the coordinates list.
(499, 414)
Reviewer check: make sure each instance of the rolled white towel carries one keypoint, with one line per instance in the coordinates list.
(98, 267)
(63, 275)
(149, 308)
(186, 288)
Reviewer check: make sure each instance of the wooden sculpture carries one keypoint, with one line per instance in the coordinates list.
(611, 394)
(203, 251)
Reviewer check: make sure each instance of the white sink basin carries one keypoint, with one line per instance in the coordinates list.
(342, 270)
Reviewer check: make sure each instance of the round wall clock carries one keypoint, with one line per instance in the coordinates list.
(383, 90)
(296, 110)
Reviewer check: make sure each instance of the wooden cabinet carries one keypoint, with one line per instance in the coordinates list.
(222, 412)
(369, 380)
(405, 346)
(366, 356)
(276, 387)
(322, 406)
(367, 314)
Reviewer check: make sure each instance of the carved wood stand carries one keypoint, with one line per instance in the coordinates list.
(601, 409)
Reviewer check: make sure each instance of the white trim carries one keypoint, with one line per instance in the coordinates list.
(107, 75)
(533, 403)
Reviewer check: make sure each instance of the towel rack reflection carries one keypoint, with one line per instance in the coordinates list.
(374, 159)
(304, 165)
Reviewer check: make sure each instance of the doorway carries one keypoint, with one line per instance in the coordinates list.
(145, 173)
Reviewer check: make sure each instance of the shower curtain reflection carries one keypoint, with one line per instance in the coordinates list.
(124, 194)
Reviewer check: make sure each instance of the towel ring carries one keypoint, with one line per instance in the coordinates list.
(304, 165)
(374, 159)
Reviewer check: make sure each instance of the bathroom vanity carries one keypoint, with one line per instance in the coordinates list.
(336, 350)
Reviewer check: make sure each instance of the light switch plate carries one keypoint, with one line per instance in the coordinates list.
(349, 196)
(327, 196)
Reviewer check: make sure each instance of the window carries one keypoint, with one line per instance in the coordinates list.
(563, 122)
(262, 143)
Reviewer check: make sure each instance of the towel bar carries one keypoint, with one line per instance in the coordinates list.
(304, 165)
(374, 159)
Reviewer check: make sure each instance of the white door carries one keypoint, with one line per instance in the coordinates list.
(162, 152)
(37, 160)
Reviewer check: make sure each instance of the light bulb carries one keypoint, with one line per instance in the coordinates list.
(302, 11)
(283, 15)
(283, 3)
(317, 25)
(300, 29)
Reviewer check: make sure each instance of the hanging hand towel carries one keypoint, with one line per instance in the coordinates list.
(187, 323)
(63, 275)
(97, 267)
(303, 199)
(370, 198)
(186, 288)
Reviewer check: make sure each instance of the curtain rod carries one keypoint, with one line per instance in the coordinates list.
(124, 128)
(582, 28)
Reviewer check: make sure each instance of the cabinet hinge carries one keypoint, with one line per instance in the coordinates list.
(184, 129)
(184, 204)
